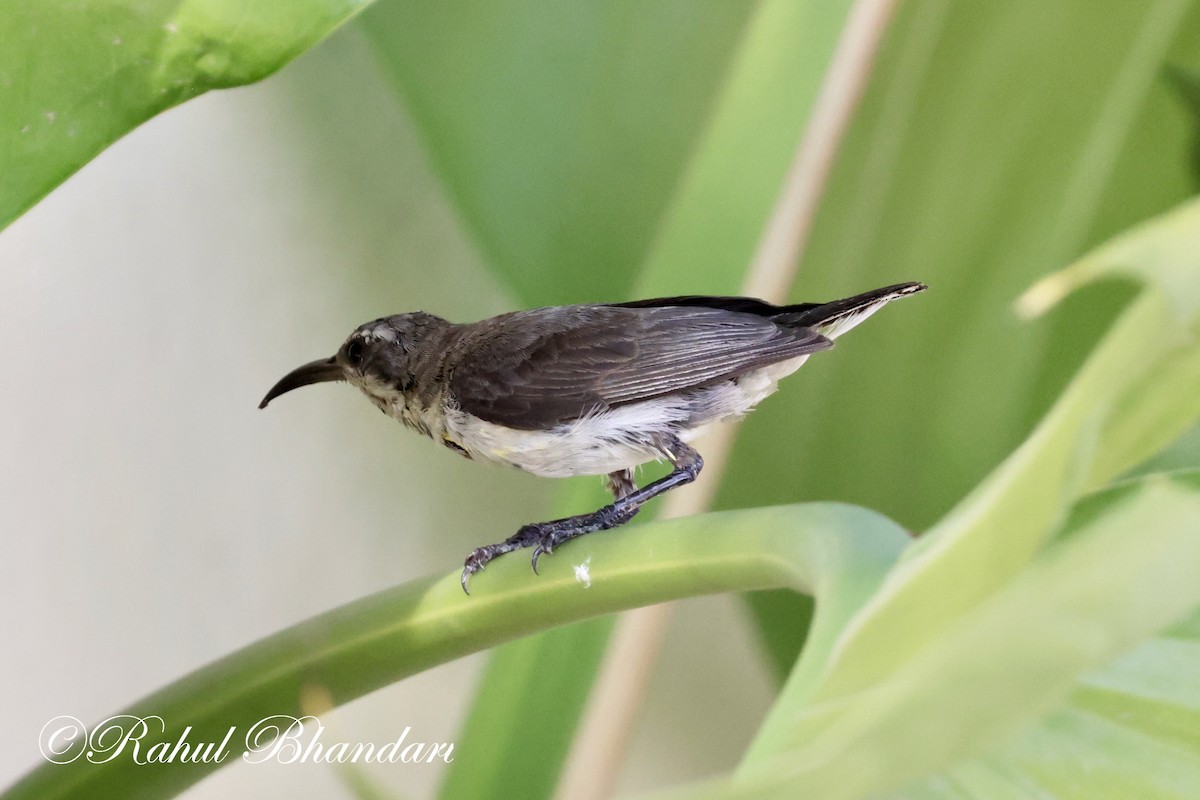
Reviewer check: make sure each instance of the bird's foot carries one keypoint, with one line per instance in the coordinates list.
(552, 534)
(543, 537)
(480, 557)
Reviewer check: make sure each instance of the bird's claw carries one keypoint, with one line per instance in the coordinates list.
(543, 537)
(474, 563)
(546, 545)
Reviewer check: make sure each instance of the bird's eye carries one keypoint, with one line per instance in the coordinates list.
(354, 353)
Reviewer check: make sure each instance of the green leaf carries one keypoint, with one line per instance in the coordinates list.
(1093, 594)
(1160, 258)
(781, 618)
(838, 553)
(1133, 376)
(1128, 729)
(996, 143)
(560, 129)
(1136, 380)
(526, 709)
(721, 204)
(1187, 84)
(76, 76)
(950, 580)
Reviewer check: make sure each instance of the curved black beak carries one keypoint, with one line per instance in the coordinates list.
(319, 371)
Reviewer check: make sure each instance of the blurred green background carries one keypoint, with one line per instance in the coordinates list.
(470, 158)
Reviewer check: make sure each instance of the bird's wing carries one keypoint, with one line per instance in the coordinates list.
(829, 319)
(534, 370)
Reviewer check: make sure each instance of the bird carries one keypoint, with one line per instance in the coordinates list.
(592, 389)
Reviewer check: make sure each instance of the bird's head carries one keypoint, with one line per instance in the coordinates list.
(377, 358)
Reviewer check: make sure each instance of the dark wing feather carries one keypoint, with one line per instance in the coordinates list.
(819, 316)
(745, 305)
(536, 369)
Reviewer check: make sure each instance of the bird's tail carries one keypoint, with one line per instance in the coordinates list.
(835, 318)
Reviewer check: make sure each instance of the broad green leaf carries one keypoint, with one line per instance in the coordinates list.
(1188, 86)
(76, 76)
(995, 531)
(725, 196)
(780, 618)
(837, 553)
(1129, 729)
(1184, 453)
(1136, 393)
(560, 129)
(526, 710)
(1092, 595)
(1162, 258)
(996, 143)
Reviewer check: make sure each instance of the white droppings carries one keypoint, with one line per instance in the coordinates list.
(117, 40)
(171, 27)
(26, 129)
(50, 115)
(583, 573)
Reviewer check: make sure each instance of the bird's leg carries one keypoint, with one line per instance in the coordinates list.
(688, 464)
(629, 500)
(619, 483)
